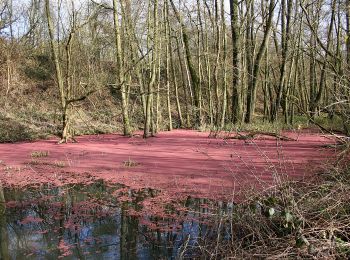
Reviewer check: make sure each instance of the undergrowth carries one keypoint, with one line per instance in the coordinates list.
(34, 120)
(12, 130)
(259, 125)
(296, 220)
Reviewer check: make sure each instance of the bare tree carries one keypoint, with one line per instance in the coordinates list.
(252, 81)
(67, 86)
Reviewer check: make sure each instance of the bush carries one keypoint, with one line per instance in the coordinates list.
(14, 131)
(297, 220)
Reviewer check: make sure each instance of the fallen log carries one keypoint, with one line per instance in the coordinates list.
(252, 135)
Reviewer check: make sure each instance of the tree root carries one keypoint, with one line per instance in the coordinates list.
(66, 140)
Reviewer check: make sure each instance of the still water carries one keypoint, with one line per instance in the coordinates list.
(91, 222)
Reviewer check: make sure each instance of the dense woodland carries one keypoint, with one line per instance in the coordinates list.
(159, 64)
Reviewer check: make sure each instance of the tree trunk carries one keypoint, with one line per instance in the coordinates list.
(120, 70)
(193, 73)
(252, 83)
(65, 134)
(168, 43)
(224, 47)
(149, 124)
(236, 95)
(285, 24)
(176, 89)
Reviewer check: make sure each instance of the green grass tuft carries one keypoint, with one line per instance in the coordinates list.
(39, 154)
(130, 163)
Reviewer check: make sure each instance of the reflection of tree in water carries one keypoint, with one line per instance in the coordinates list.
(4, 239)
(128, 236)
(87, 221)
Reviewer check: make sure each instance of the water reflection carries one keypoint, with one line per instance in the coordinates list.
(3, 227)
(92, 222)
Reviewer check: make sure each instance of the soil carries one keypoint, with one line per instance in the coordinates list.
(179, 163)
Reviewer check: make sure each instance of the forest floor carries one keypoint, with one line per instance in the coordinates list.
(179, 163)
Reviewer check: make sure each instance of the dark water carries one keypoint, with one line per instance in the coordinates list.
(88, 222)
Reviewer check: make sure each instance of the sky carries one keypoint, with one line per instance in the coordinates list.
(20, 7)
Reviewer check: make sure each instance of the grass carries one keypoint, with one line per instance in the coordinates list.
(35, 162)
(336, 124)
(59, 164)
(39, 154)
(260, 125)
(130, 163)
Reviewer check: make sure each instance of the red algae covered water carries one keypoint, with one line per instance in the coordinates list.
(180, 162)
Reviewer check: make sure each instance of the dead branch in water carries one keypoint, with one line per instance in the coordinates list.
(252, 135)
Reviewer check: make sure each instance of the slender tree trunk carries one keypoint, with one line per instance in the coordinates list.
(209, 85)
(168, 43)
(267, 88)
(224, 46)
(236, 95)
(251, 94)
(174, 79)
(59, 76)
(134, 48)
(199, 53)
(249, 46)
(285, 24)
(159, 68)
(187, 110)
(348, 39)
(189, 63)
(149, 124)
(217, 65)
(318, 96)
(120, 70)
